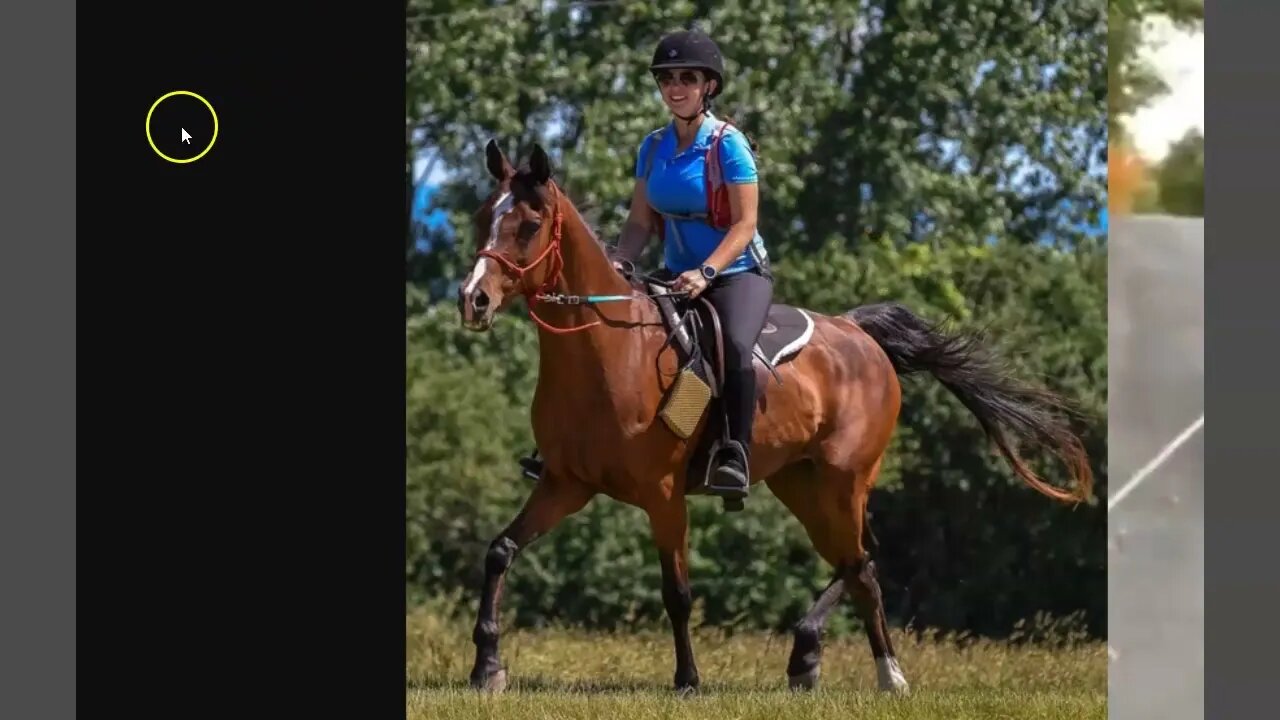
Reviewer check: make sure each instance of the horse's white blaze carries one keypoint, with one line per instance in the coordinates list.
(477, 272)
(500, 208)
(890, 675)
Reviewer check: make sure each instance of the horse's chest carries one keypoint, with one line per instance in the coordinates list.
(586, 449)
(598, 430)
(597, 451)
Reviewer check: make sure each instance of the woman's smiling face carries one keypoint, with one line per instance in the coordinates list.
(682, 90)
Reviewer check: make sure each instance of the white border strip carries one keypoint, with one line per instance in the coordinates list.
(1154, 463)
(796, 344)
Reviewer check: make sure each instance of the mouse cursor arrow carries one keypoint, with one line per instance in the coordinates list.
(186, 138)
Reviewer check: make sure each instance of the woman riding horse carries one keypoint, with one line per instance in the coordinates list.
(726, 265)
(821, 438)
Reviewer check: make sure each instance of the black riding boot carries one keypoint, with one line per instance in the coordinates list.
(732, 479)
(532, 465)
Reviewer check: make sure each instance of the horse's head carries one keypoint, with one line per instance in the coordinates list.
(515, 232)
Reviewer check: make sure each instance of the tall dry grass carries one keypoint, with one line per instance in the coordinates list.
(1048, 671)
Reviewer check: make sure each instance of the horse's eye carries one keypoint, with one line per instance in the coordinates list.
(527, 229)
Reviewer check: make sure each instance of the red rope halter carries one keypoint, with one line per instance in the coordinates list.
(557, 265)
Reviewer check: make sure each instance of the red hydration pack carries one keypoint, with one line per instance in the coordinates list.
(719, 213)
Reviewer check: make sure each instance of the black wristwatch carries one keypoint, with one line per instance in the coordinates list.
(709, 272)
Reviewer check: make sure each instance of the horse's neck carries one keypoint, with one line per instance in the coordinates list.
(587, 269)
(609, 349)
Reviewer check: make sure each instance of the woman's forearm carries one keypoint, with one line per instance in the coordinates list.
(735, 241)
(635, 235)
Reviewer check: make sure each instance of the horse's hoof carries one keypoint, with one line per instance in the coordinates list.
(892, 681)
(896, 688)
(494, 683)
(686, 683)
(804, 681)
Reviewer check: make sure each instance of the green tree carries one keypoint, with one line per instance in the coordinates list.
(911, 119)
(1131, 80)
(1181, 177)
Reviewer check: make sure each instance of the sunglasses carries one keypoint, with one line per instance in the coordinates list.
(684, 77)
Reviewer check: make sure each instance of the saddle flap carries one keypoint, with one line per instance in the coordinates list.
(786, 331)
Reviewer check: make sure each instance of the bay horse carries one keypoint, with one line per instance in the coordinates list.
(821, 434)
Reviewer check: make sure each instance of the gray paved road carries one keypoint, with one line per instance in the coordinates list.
(1156, 390)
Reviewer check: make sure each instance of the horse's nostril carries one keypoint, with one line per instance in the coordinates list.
(480, 300)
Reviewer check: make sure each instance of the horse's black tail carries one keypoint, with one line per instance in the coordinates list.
(1001, 403)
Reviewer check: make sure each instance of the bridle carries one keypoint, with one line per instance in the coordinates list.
(542, 292)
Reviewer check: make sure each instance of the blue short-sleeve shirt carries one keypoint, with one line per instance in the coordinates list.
(677, 185)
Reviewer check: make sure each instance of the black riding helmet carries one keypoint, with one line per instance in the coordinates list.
(690, 49)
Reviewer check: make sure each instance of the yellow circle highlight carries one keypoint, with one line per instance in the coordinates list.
(166, 96)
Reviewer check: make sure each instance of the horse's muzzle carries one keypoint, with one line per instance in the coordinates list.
(476, 309)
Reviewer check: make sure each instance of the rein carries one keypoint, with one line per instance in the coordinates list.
(542, 294)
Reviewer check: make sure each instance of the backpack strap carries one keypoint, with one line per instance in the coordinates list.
(659, 216)
(656, 139)
(715, 173)
(714, 184)
(715, 176)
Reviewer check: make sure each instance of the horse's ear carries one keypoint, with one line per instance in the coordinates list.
(540, 165)
(498, 165)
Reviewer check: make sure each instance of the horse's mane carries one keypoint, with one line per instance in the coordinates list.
(592, 231)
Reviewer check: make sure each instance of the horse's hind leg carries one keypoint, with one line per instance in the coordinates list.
(550, 502)
(797, 487)
(860, 579)
(831, 503)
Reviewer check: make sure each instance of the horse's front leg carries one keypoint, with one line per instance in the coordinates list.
(551, 501)
(670, 524)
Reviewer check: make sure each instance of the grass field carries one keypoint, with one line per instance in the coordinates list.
(568, 673)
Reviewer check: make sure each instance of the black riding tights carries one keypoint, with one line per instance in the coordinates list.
(742, 301)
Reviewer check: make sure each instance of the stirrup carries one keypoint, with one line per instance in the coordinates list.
(728, 480)
(532, 465)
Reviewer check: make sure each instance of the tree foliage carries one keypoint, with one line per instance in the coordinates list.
(1132, 82)
(1173, 186)
(1181, 177)
(920, 120)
